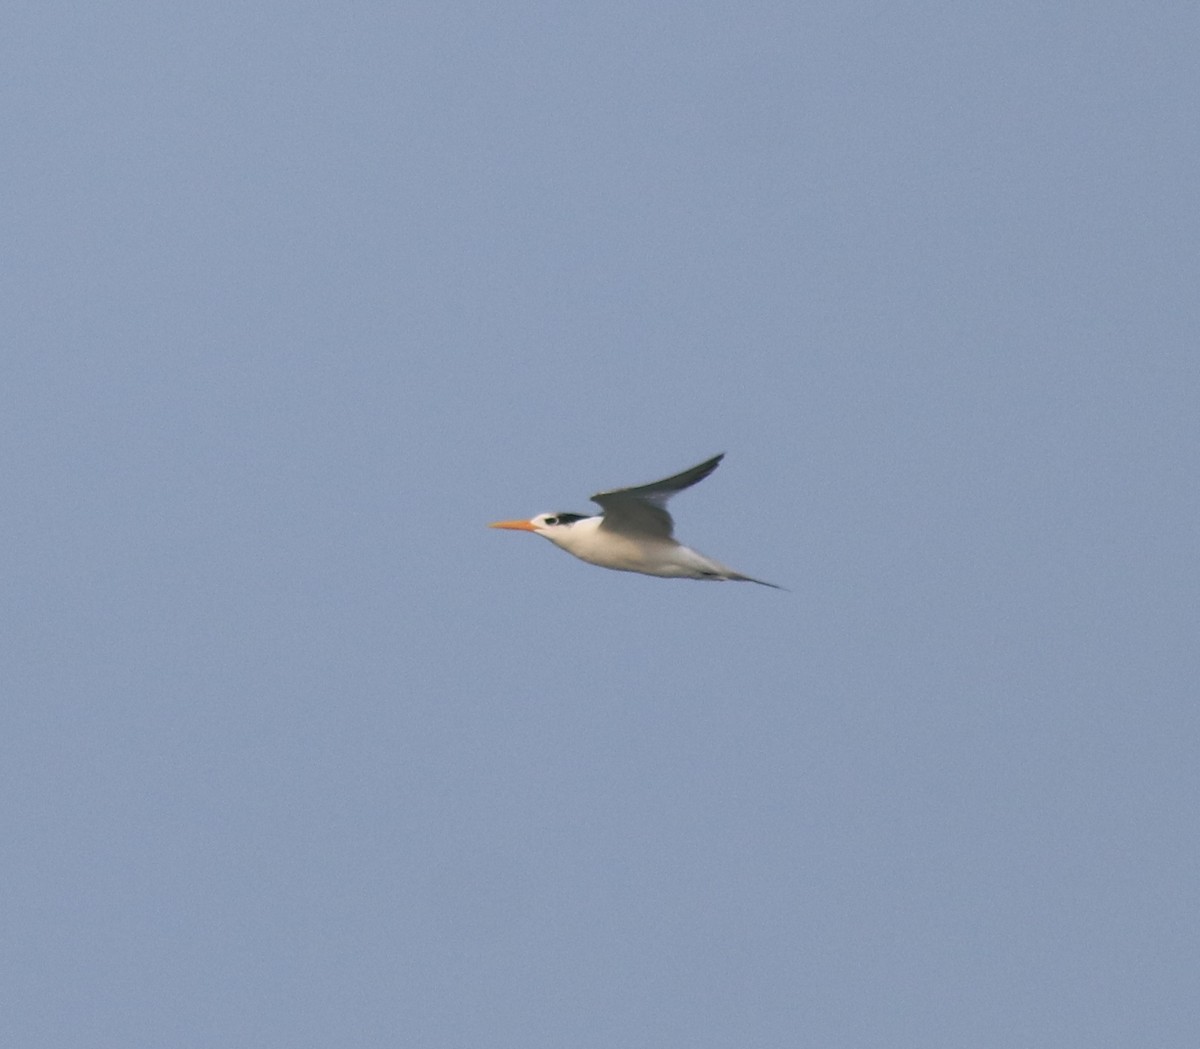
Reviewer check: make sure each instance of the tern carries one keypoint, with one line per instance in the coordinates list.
(634, 534)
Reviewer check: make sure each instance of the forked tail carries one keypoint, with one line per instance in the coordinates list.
(761, 582)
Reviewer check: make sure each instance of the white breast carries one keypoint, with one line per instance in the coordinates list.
(628, 552)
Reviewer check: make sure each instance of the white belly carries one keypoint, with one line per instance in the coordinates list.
(635, 553)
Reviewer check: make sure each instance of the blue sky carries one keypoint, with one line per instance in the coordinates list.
(299, 297)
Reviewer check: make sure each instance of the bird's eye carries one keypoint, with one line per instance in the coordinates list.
(551, 520)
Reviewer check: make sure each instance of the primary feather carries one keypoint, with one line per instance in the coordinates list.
(642, 509)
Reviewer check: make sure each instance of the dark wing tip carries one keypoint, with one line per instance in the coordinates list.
(694, 475)
(668, 486)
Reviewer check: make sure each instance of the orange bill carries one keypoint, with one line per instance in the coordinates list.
(519, 526)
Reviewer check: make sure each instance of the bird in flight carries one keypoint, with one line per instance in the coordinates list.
(634, 533)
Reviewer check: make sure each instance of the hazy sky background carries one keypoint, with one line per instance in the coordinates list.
(298, 297)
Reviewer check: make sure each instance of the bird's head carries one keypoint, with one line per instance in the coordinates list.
(548, 525)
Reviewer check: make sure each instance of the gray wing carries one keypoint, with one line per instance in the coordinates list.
(643, 509)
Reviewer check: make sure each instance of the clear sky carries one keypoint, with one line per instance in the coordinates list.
(298, 297)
